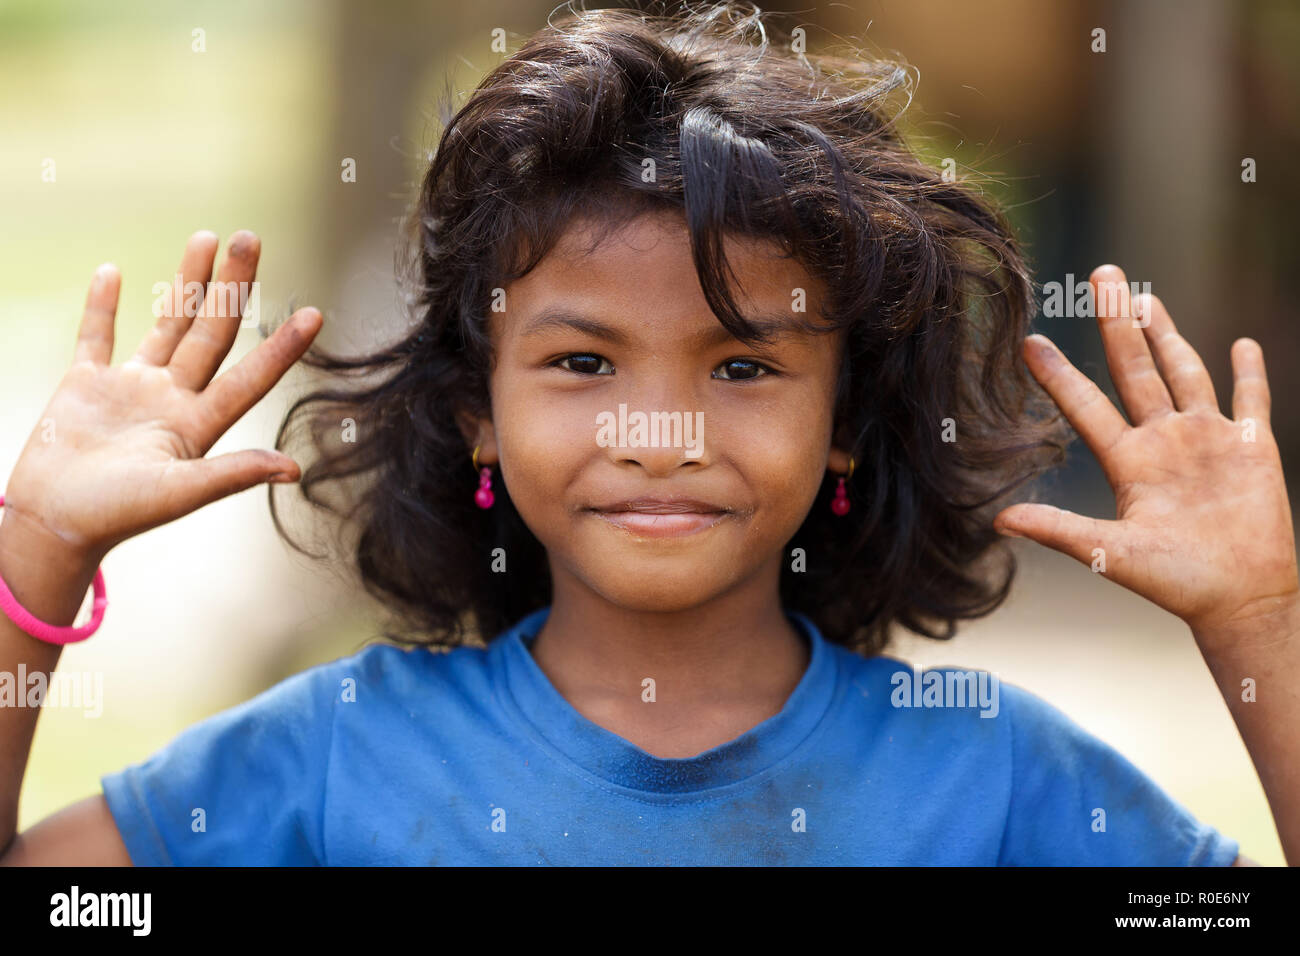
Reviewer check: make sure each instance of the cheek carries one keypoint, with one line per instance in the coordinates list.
(532, 455)
(542, 441)
(793, 476)
(782, 448)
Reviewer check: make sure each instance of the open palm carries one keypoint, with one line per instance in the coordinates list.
(1203, 526)
(120, 449)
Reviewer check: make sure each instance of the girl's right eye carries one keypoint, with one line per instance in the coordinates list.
(585, 363)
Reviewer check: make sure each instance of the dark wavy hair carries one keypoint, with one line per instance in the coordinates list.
(745, 134)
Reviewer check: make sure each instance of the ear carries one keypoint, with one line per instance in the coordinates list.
(837, 461)
(478, 430)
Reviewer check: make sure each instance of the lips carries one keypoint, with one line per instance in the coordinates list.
(662, 506)
(662, 517)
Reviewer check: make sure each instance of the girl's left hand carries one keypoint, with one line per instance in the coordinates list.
(1204, 525)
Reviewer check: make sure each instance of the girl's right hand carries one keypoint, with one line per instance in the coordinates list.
(119, 450)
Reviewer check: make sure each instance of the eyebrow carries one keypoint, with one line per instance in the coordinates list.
(557, 317)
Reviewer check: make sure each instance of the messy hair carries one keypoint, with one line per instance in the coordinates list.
(746, 135)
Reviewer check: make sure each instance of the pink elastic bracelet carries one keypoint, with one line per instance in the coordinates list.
(48, 632)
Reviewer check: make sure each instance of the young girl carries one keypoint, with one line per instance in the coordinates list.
(713, 382)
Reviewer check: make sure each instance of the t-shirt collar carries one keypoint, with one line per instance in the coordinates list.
(556, 725)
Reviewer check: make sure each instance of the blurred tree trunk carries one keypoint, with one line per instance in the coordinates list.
(380, 53)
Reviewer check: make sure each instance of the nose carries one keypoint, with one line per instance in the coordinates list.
(660, 440)
(657, 462)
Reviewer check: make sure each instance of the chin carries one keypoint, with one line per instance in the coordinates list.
(680, 590)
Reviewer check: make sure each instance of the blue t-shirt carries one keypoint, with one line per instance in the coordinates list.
(472, 757)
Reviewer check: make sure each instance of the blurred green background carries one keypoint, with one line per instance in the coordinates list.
(1130, 156)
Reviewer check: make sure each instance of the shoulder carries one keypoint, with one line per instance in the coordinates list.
(950, 712)
(376, 674)
(941, 692)
(946, 690)
(385, 682)
(397, 667)
(949, 720)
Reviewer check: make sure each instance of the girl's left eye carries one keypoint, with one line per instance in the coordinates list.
(585, 362)
(741, 370)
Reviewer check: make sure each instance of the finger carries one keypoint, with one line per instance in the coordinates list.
(1184, 373)
(1140, 387)
(95, 336)
(1074, 534)
(1250, 394)
(237, 390)
(204, 346)
(1084, 405)
(178, 313)
(196, 482)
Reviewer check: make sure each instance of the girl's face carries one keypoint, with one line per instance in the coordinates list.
(589, 344)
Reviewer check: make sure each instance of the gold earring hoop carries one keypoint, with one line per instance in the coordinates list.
(850, 474)
(474, 457)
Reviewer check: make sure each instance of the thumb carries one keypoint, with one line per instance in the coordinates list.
(200, 481)
(1073, 534)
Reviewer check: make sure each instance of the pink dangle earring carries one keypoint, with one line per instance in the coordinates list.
(483, 497)
(840, 503)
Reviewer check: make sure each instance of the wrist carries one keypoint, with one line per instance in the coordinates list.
(1267, 626)
(48, 576)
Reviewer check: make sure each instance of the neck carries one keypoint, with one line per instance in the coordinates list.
(719, 668)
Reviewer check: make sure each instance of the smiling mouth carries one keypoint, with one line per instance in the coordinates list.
(662, 519)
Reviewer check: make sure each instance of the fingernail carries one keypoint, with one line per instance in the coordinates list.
(280, 477)
(1008, 532)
